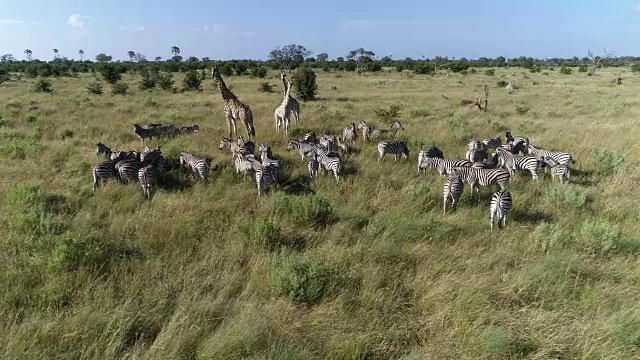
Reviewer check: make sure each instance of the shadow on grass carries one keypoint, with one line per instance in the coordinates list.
(298, 185)
(532, 217)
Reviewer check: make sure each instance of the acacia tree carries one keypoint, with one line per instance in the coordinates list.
(55, 53)
(598, 61)
(323, 57)
(81, 52)
(290, 55)
(28, 52)
(131, 54)
(175, 51)
(360, 55)
(103, 57)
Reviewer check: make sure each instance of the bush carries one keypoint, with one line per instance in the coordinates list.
(298, 278)
(311, 210)
(459, 128)
(583, 68)
(75, 252)
(111, 73)
(95, 88)
(490, 72)
(635, 67)
(42, 85)
(502, 84)
(305, 83)
(119, 88)
(191, 81)
(259, 72)
(265, 87)
(458, 66)
(147, 82)
(240, 68)
(598, 236)
(608, 162)
(535, 69)
(425, 69)
(264, 233)
(390, 114)
(565, 70)
(165, 81)
(373, 67)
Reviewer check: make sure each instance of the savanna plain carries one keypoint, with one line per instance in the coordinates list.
(367, 268)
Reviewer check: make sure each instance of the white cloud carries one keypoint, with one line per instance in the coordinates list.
(132, 29)
(249, 34)
(218, 29)
(77, 20)
(10, 22)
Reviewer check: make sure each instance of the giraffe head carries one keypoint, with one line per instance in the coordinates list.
(215, 74)
(282, 74)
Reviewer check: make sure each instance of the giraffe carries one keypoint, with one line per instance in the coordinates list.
(294, 105)
(234, 109)
(283, 112)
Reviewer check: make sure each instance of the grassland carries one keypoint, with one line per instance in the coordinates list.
(366, 269)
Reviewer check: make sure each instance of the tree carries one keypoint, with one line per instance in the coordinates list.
(131, 54)
(81, 52)
(28, 52)
(360, 55)
(340, 59)
(290, 55)
(6, 58)
(175, 51)
(103, 58)
(304, 81)
(597, 61)
(55, 53)
(158, 58)
(322, 57)
(138, 57)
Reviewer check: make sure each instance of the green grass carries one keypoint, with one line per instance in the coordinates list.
(368, 268)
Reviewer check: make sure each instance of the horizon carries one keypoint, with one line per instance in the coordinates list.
(540, 30)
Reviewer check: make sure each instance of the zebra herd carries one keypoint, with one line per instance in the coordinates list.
(479, 168)
(486, 163)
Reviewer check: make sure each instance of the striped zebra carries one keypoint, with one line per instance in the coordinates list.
(103, 172)
(395, 147)
(328, 142)
(128, 168)
(189, 129)
(199, 166)
(330, 161)
(558, 171)
(453, 188)
(247, 147)
(492, 143)
(246, 163)
(475, 145)
(482, 177)
(313, 166)
(104, 150)
(443, 166)
(519, 144)
(529, 163)
(153, 130)
(349, 134)
(303, 147)
(237, 147)
(266, 155)
(147, 175)
(501, 203)
(562, 158)
(366, 130)
(391, 132)
(265, 176)
(506, 160)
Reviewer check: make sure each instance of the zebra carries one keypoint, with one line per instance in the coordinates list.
(475, 144)
(433, 152)
(342, 147)
(492, 143)
(327, 142)
(501, 203)
(366, 130)
(236, 147)
(313, 166)
(265, 175)
(309, 137)
(476, 155)
(147, 175)
(519, 144)
(349, 134)
(189, 129)
(506, 160)
(453, 188)
(267, 160)
(482, 177)
(395, 147)
(128, 169)
(561, 158)
(103, 172)
(303, 147)
(104, 149)
(330, 161)
(395, 126)
(246, 163)
(443, 166)
(528, 163)
(199, 166)
(153, 130)
(248, 147)
(559, 171)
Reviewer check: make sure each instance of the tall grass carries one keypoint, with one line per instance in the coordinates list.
(365, 268)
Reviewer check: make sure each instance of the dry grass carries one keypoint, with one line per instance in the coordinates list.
(368, 268)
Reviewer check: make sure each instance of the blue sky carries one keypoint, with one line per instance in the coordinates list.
(251, 28)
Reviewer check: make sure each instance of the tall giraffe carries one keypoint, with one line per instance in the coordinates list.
(295, 106)
(234, 109)
(283, 112)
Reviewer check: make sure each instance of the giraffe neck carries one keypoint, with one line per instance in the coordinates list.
(227, 95)
(284, 82)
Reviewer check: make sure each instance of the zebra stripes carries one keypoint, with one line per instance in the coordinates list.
(395, 147)
(349, 134)
(395, 126)
(199, 166)
(562, 158)
(330, 161)
(560, 172)
(189, 129)
(267, 160)
(103, 172)
(246, 163)
(265, 175)
(313, 166)
(529, 163)
(501, 203)
(303, 147)
(482, 177)
(147, 175)
(153, 130)
(444, 166)
(452, 190)
(492, 143)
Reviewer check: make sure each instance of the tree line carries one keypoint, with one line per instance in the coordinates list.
(289, 57)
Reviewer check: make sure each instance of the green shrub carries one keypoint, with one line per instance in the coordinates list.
(547, 237)
(191, 81)
(111, 73)
(165, 81)
(264, 233)
(459, 128)
(298, 278)
(305, 85)
(502, 84)
(306, 210)
(535, 69)
(240, 68)
(634, 68)
(583, 68)
(389, 114)
(72, 253)
(598, 236)
(42, 85)
(147, 82)
(119, 88)
(565, 70)
(490, 72)
(425, 69)
(608, 162)
(373, 66)
(569, 194)
(258, 71)
(95, 88)
(265, 87)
